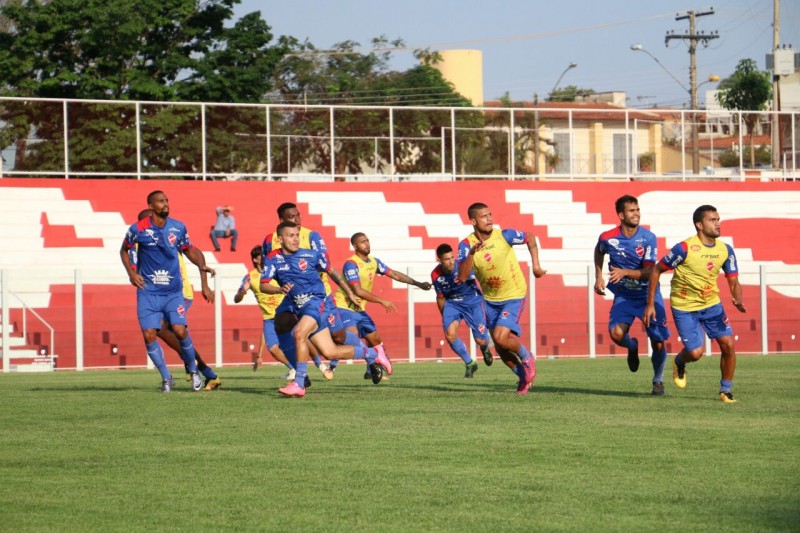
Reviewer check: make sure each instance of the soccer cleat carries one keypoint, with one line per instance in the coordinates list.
(197, 383)
(383, 360)
(471, 368)
(167, 384)
(292, 390)
(529, 365)
(327, 373)
(679, 374)
(726, 397)
(487, 355)
(188, 376)
(289, 375)
(375, 373)
(257, 363)
(658, 389)
(368, 373)
(633, 355)
(212, 384)
(306, 382)
(523, 387)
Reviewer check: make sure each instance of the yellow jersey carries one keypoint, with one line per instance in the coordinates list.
(496, 266)
(363, 272)
(696, 268)
(267, 302)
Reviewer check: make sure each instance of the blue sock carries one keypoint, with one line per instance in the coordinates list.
(523, 353)
(725, 385)
(460, 348)
(626, 341)
(300, 375)
(317, 360)
(368, 353)
(351, 339)
(659, 359)
(208, 373)
(156, 355)
(333, 363)
(286, 342)
(188, 353)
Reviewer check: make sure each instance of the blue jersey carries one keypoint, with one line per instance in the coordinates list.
(631, 253)
(157, 253)
(448, 285)
(301, 269)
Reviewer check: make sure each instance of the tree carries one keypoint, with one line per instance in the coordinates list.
(570, 93)
(150, 50)
(748, 89)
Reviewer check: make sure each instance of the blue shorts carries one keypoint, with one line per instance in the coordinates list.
(358, 319)
(471, 311)
(338, 321)
(152, 308)
(692, 324)
(270, 337)
(506, 314)
(626, 310)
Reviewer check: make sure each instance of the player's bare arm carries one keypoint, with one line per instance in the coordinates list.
(440, 303)
(337, 277)
(465, 266)
(240, 294)
(268, 288)
(399, 276)
(736, 294)
(533, 248)
(650, 307)
(599, 282)
(364, 294)
(135, 278)
(196, 256)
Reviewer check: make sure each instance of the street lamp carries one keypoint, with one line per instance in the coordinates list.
(569, 67)
(639, 48)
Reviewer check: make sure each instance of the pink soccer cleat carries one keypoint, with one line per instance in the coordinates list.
(292, 390)
(529, 365)
(383, 360)
(523, 387)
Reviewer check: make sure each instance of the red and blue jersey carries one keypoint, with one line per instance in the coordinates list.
(308, 239)
(158, 253)
(451, 288)
(631, 253)
(301, 269)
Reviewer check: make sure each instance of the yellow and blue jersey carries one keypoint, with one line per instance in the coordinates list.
(496, 266)
(696, 267)
(267, 302)
(363, 272)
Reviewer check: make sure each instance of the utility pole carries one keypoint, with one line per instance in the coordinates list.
(693, 39)
(776, 119)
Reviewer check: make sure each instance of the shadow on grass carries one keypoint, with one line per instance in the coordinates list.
(477, 387)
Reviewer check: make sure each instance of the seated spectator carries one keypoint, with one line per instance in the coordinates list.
(224, 228)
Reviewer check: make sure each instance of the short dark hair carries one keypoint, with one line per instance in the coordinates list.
(443, 249)
(144, 213)
(700, 212)
(151, 195)
(285, 224)
(619, 205)
(255, 252)
(285, 206)
(356, 236)
(474, 208)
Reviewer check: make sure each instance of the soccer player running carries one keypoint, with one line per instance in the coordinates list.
(296, 270)
(268, 303)
(360, 270)
(490, 254)
(284, 315)
(694, 297)
(632, 251)
(157, 278)
(459, 301)
(165, 333)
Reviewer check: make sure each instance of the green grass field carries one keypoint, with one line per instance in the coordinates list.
(587, 450)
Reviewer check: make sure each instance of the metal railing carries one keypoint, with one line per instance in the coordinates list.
(210, 141)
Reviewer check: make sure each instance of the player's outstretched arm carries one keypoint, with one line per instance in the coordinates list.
(242, 292)
(399, 276)
(338, 278)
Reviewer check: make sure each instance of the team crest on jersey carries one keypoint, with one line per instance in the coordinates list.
(640, 251)
(613, 242)
(172, 239)
(181, 310)
(303, 264)
(710, 266)
(695, 247)
(487, 257)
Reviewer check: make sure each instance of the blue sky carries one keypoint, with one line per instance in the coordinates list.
(527, 44)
